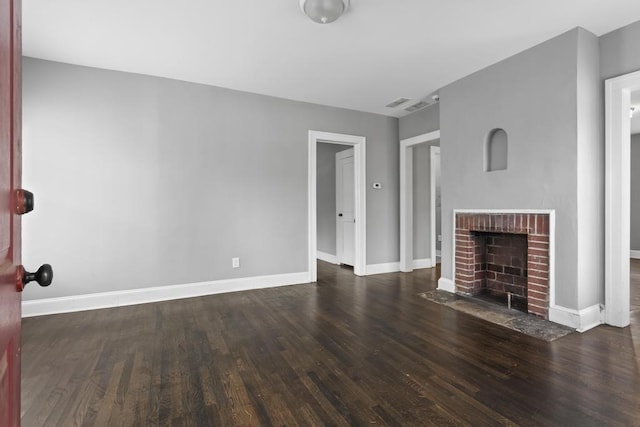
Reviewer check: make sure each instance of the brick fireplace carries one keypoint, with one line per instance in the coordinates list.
(502, 253)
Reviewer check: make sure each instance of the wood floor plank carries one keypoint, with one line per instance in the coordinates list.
(344, 351)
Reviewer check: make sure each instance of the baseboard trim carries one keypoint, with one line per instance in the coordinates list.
(100, 300)
(447, 285)
(581, 320)
(635, 254)
(389, 267)
(323, 256)
(422, 263)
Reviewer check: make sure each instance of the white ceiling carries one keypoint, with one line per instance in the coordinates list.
(378, 51)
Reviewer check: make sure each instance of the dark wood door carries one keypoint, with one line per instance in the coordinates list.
(10, 175)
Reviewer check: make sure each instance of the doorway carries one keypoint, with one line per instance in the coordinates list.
(435, 204)
(334, 205)
(359, 209)
(617, 197)
(407, 261)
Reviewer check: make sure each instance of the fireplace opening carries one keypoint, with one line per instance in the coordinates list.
(491, 257)
(501, 268)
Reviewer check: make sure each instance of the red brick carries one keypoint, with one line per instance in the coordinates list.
(537, 272)
(463, 237)
(464, 254)
(538, 239)
(538, 252)
(534, 295)
(543, 289)
(504, 278)
(533, 280)
(544, 260)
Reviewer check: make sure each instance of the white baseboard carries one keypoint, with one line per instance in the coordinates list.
(635, 254)
(389, 267)
(448, 285)
(581, 320)
(323, 256)
(422, 263)
(159, 293)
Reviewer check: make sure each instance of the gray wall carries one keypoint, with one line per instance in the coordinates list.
(422, 121)
(326, 196)
(143, 181)
(590, 150)
(533, 96)
(635, 192)
(421, 202)
(619, 51)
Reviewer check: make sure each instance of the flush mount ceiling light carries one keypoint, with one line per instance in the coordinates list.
(324, 11)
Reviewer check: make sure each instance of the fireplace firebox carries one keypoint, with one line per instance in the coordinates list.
(504, 254)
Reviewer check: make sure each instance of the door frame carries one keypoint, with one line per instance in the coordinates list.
(406, 198)
(617, 197)
(339, 235)
(360, 178)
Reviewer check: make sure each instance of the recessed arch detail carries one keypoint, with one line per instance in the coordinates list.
(496, 148)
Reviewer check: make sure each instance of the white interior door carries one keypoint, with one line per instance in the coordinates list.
(345, 208)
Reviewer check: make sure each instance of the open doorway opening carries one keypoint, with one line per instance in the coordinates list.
(357, 144)
(618, 97)
(419, 178)
(435, 203)
(335, 203)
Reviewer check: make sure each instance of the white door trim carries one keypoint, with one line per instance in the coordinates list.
(359, 160)
(433, 152)
(617, 197)
(406, 197)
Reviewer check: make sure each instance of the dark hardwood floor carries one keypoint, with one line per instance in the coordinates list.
(344, 351)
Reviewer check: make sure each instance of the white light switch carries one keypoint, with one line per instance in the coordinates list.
(235, 262)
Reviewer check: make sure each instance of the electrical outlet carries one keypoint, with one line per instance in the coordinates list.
(235, 262)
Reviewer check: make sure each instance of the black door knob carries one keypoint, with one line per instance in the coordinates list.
(24, 201)
(44, 276)
(339, 214)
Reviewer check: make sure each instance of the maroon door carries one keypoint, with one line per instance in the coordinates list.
(10, 174)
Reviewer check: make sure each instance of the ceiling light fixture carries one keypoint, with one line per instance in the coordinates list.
(324, 11)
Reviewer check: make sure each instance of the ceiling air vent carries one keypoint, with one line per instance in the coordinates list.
(398, 102)
(416, 106)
